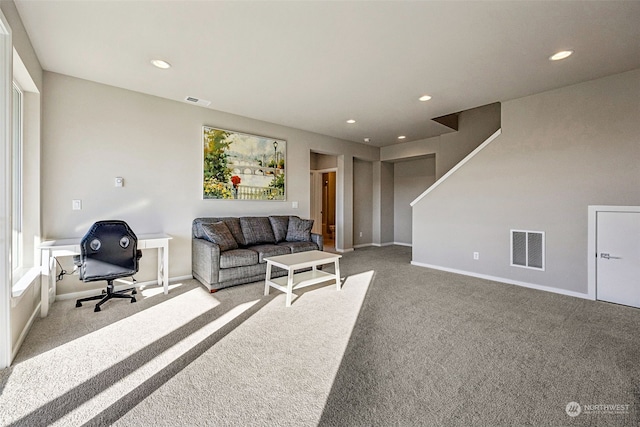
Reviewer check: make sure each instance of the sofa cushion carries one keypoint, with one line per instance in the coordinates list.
(265, 251)
(299, 230)
(257, 229)
(280, 225)
(299, 246)
(238, 258)
(219, 233)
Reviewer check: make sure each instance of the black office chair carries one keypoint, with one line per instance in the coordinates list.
(107, 252)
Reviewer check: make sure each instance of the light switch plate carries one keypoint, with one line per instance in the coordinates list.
(76, 205)
(294, 205)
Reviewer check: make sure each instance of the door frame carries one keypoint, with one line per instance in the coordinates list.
(316, 177)
(592, 242)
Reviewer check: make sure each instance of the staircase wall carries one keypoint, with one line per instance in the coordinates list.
(559, 152)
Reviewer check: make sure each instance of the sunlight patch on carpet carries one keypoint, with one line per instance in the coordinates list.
(78, 361)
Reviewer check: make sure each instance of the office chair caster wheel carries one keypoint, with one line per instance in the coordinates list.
(97, 309)
(133, 300)
(78, 304)
(134, 292)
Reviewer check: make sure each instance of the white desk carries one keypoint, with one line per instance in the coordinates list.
(52, 249)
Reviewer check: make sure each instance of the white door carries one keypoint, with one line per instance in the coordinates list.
(618, 257)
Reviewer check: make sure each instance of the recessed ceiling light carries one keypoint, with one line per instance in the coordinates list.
(401, 137)
(161, 64)
(424, 98)
(561, 55)
(350, 121)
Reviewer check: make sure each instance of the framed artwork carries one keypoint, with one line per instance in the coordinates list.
(239, 166)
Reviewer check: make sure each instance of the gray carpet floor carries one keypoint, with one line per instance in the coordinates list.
(399, 346)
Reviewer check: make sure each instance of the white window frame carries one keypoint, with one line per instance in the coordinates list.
(17, 184)
(6, 92)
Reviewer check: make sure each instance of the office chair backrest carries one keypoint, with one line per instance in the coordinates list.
(108, 251)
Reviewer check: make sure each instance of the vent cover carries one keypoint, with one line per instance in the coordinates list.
(197, 101)
(527, 249)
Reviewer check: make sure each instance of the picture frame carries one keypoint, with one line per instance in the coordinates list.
(241, 166)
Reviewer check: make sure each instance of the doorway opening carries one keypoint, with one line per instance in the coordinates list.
(323, 198)
(329, 208)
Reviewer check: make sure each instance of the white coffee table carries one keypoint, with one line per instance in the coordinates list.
(298, 261)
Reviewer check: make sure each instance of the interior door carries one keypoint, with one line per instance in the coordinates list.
(618, 258)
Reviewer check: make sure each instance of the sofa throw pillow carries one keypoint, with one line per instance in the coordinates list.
(234, 226)
(280, 225)
(299, 230)
(257, 229)
(219, 233)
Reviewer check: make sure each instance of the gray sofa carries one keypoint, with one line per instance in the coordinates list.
(230, 250)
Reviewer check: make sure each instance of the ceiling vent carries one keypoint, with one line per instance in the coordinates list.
(197, 101)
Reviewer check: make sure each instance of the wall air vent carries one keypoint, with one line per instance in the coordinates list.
(527, 249)
(197, 101)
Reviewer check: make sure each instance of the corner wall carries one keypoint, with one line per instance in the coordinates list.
(559, 152)
(410, 179)
(362, 203)
(426, 161)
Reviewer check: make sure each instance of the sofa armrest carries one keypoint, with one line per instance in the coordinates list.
(318, 240)
(205, 260)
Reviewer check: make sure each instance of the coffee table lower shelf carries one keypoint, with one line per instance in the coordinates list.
(300, 280)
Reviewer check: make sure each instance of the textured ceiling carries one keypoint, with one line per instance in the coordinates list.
(313, 65)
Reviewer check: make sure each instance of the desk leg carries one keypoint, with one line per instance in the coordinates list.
(267, 278)
(45, 282)
(163, 267)
(337, 267)
(289, 287)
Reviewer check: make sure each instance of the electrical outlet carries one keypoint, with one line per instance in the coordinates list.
(294, 205)
(476, 255)
(76, 205)
(361, 234)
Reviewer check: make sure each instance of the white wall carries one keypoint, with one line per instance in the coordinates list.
(362, 202)
(382, 202)
(425, 161)
(93, 133)
(559, 152)
(475, 126)
(323, 161)
(410, 179)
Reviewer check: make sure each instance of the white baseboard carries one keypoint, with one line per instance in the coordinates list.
(507, 281)
(90, 292)
(403, 244)
(364, 245)
(344, 250)
(381, 245)
(25, 331)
